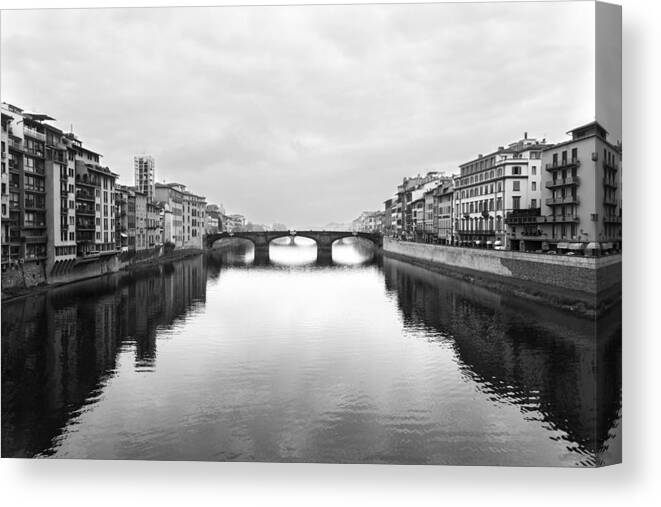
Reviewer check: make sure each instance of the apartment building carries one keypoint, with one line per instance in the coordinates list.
(492, 185)
(122, 217)
(141, 241)
(443, 212)
(188, 214)
(235, 222)
(194, 220)
(582, 206)
(144, 168)
(388, 216)
(61, 198)
(154, 233)
(95, 204)
(4, 165)
(25, 229)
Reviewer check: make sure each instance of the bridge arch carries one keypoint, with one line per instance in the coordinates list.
(324, 240)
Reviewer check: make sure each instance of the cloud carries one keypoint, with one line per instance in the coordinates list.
(303, 115)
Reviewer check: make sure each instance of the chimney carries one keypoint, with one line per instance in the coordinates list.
(525, 135)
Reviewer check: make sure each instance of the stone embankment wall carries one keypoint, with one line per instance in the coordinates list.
(587, 284)
(20, 279)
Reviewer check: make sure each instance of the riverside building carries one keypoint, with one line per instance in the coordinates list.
(492, 185)
(582, 205)
(185, 226)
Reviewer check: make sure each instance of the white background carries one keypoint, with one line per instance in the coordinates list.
(636, 482)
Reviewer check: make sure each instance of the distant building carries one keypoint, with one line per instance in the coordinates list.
(154, 233)
(444, 212)
(122, 217)
(188, 214)
(368, 221)
(141, 241)
(144, 168)
(235, 222)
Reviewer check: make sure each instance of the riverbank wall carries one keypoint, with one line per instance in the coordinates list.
(23, 279)
(588, 286)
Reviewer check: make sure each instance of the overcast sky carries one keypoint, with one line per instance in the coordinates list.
(303, 115)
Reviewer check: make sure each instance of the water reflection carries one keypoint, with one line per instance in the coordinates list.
(60, 348)
(293, 251)
(217, 359)
(537, 358)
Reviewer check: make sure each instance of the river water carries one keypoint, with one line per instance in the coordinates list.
(369, 360)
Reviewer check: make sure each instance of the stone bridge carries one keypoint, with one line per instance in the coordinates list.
(324, 240)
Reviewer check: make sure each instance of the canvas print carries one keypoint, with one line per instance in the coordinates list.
(383, 234)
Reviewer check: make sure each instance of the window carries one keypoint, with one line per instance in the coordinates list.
(574, 153)
(516, 186)
(533, 203)
(533, 170)
(516, 202)
(516, 169)
(534, 186)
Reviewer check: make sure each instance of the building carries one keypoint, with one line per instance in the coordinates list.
(141, 238)
(194, 220)
(154, 233)
(388, 216)
(95, 203)
(24, 224)
(234, 223)
(582, 206)
(405, 223)
(443, 212)
(61, 212)
(368, 221)
(122, 217)
(188, 215)
(144, 168)
(492, 185)
(4, 152)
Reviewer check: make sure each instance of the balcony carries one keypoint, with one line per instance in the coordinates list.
(563, 164)
(85, 196)
(33, 205)
(610, 167)
(610, 201)
(35, 190)
(34, 152)
(34, 238)
(491, 232)
(15, 144)
(34, 134)
(609, 182)
(85, 211)
(559, 219)
(612, 220)
(572, 180)
(562, 200)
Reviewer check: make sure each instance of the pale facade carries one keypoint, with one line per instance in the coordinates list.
(492, 185)
(188, 214)
(582, 207)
